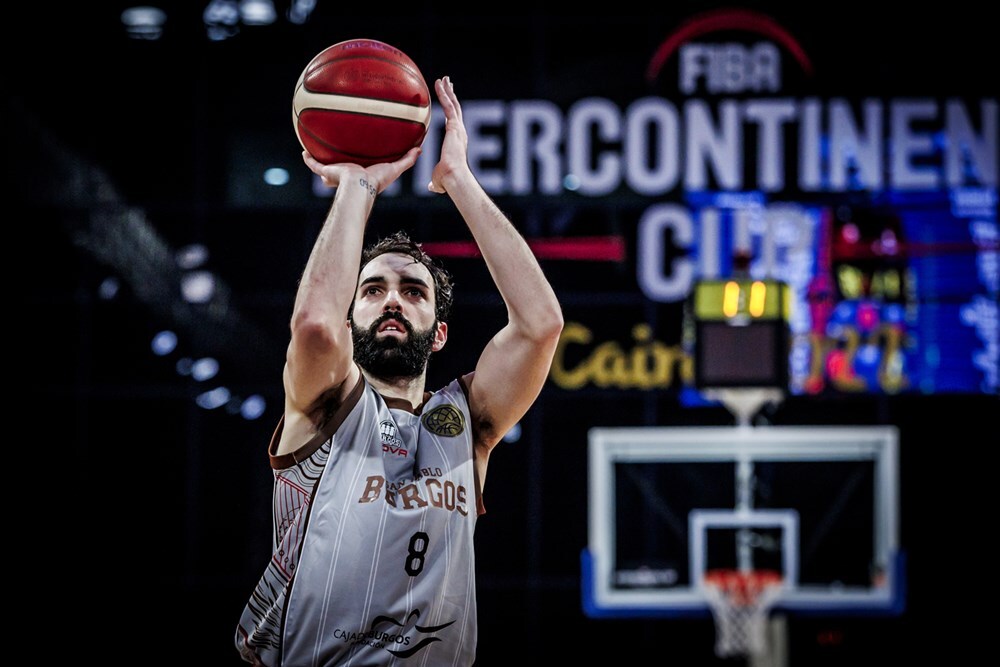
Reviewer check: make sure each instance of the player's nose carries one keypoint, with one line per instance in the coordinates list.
(392, 300)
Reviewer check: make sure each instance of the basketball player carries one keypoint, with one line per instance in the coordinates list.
(379, 482)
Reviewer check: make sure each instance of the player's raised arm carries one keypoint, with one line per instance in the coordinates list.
(320, 354)
(515, 363)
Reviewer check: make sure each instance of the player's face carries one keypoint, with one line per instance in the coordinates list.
(394, 326)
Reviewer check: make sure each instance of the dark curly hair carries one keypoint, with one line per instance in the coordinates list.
(401, 243)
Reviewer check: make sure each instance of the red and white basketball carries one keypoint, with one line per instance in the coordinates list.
(361, 101)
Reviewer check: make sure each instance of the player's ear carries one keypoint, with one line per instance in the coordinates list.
(440, 336)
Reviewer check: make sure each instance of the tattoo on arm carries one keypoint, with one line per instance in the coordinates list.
(372, 191)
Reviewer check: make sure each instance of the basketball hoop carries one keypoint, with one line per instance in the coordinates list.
(741, 602)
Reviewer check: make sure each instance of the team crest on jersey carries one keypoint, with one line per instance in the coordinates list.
(444, 420)
(390, 443)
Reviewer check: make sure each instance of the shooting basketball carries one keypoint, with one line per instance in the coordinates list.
(367, 319)
(361, 101)
(670, 335)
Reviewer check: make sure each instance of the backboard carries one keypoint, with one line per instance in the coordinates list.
(818, 504)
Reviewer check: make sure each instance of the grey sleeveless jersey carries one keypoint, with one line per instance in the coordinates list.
(373, 559)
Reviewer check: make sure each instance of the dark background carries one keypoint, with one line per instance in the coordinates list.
(155, 513)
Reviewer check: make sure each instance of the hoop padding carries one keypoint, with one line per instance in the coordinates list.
(741, 603)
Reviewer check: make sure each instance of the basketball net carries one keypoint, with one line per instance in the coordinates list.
(740, 603)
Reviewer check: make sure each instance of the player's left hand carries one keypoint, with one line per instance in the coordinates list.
(455, 147)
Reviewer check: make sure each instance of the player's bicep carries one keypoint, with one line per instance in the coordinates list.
(509, 376)
(315, 364)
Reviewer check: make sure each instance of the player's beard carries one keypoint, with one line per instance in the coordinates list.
(390, 357)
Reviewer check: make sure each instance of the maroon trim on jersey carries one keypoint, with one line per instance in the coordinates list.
(400, 404)
(282, 461)
(480, 505)
(463, 383)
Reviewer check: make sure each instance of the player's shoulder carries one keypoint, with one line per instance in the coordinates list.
(459, 386)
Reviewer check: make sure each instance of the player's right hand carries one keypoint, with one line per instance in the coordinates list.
(379, 176)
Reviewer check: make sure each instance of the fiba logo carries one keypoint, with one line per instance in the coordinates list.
(444, 420)
(731, 65)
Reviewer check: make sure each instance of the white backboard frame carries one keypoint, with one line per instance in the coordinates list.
(609, 446)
